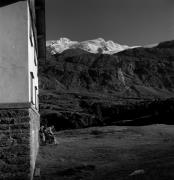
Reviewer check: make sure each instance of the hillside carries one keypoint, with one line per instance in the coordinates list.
(80, 89)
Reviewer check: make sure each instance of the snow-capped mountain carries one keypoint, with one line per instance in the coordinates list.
(93, 46)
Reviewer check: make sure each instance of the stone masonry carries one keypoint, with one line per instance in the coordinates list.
(18, 142)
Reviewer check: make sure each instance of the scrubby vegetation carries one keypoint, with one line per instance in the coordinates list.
(80, 89)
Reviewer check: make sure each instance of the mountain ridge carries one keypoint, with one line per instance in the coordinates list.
(98, 45)
(81, 89)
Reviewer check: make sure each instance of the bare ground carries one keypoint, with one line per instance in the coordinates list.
(110, 153)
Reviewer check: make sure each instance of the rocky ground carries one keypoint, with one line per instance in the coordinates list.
(110, 153)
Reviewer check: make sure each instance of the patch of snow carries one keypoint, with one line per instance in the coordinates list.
(137, 172)
(92, 46)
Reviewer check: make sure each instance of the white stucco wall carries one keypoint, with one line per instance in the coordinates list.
(32, 61)
(17, 55)
(14, 53)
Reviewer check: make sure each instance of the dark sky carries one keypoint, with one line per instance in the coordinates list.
(131, 22)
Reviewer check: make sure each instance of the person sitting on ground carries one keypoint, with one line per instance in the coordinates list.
(50, 135)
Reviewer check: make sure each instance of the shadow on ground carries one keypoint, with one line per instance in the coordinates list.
(112, 153)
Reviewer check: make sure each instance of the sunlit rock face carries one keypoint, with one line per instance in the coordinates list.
(93, 46)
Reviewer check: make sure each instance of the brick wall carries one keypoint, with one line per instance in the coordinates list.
(18, 142)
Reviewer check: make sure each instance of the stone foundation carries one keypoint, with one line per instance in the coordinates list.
(18, 142)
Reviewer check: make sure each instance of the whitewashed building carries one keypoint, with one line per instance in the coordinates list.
(22, 45)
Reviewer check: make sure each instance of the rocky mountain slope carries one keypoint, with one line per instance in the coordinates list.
(80, 89)
(93, 46)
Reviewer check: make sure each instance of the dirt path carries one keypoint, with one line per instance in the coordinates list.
(106, 153)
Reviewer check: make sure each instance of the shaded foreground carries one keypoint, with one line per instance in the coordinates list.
(112, 152)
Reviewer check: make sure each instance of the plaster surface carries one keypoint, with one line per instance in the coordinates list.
(14, 53)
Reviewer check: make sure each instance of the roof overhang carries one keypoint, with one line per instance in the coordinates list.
(41, 28)
(8, 2)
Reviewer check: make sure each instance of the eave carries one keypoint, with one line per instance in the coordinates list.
(8, 2)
